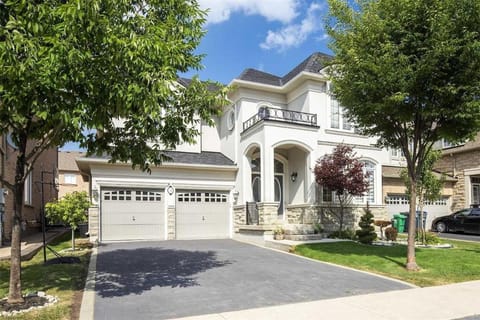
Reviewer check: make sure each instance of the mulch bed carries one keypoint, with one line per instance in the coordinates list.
(29, 302)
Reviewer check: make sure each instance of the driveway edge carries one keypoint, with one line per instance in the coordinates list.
(88, 299)
(332, 264)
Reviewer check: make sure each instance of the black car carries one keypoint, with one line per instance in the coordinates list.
(466, 220)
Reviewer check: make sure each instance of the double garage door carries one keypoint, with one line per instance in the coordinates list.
(139, 214)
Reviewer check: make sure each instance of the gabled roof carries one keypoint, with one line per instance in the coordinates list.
(314, 64)
(66, 160)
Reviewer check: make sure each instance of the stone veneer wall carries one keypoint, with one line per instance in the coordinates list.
(93, 223)
(456, 164)
(308, 214)
(267, 213)
(171, 223)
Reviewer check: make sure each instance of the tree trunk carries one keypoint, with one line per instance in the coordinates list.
(411, 261)
(15, 286)
(340, 201)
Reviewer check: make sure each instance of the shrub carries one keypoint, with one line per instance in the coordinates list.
(343, 234)
(429, 237)
(317, 228)
(391, 234)
(366, 234)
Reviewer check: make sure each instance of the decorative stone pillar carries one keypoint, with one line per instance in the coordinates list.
(267, 213)
(93, 223)
(239, 216)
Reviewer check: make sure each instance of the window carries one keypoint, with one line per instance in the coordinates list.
(327, 195)
(338, 117)
(231, 120)
(70, 178)
(28, 189)
(369, 196)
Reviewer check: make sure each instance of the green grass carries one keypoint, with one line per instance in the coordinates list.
(60, 280)
(438, 266)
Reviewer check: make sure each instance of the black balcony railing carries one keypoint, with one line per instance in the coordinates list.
(281, 115)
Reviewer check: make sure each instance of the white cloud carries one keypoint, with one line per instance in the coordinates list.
(293, 35)
(273, 10)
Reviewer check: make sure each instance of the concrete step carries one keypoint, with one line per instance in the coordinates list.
(303, 237)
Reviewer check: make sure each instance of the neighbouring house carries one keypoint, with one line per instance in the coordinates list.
(249, 173)
(69, 176)
(40, 187)
(462, 161)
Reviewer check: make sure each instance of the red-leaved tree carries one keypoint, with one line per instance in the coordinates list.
(343, 173)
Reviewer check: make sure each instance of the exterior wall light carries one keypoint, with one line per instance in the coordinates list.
(294, 176)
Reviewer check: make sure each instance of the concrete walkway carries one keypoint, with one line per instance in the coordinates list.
(455, 301)
(31, 244)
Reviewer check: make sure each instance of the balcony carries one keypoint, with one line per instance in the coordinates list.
(281, 115)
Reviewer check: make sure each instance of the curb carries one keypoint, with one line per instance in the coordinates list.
(88, 299)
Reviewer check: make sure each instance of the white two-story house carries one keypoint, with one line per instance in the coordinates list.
(251, 171)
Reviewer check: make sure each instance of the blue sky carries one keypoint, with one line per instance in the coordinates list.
(269, 35)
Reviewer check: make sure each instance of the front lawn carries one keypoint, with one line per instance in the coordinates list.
(439, 266)
(65, 281)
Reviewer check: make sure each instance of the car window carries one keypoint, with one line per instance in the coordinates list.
(475, 212)
(464, 212)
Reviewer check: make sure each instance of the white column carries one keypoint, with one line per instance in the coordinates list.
(268, 190)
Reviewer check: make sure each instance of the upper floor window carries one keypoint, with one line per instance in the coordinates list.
(70, 178)
(338, 118)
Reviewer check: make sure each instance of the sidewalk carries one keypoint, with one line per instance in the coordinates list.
(455, 301)
(31, 244)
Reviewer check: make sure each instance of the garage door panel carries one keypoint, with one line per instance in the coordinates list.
(130, 214)
(202, 215)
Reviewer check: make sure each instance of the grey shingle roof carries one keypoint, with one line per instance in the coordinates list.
(204, 157)
(314, 63)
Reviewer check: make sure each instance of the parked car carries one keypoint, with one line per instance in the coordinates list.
(466, 220)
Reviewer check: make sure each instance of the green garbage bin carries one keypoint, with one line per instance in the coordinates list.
(399, 222)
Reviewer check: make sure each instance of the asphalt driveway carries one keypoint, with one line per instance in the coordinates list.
(169, 279)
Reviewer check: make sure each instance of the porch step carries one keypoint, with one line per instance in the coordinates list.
(303, 237)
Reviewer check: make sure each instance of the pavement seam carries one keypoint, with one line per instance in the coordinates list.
(88, 299)
(333, 264)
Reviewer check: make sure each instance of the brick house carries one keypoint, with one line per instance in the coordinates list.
(45, 168)
(69, 175)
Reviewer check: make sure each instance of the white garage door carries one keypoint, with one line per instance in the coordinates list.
(202, 215)
(400, 203)
(132, 214)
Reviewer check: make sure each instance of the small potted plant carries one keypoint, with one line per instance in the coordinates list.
(279, 233)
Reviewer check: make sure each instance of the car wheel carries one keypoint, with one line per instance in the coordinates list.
(441, 227)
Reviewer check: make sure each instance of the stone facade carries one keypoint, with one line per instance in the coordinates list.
(462, 162)
(302, 214)
(240, 216)
(93, 223)
(267, 213)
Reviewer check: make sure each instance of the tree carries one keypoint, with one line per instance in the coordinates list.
(342, 173)
(407, 72)
(71, 210)
(69, 67)
(366, 234)
(429, 187)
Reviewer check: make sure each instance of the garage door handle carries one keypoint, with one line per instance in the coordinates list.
(133, 218)
(203, 218)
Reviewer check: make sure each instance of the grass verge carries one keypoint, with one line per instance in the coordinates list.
(439, 266)
(65, 281)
